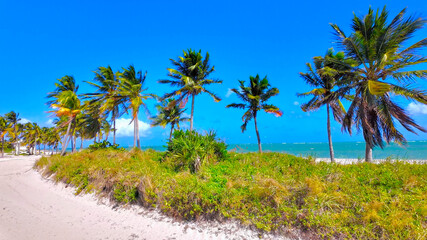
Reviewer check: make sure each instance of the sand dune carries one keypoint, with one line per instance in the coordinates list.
(35, 208)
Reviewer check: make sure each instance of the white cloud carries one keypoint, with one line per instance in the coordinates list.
(124, 129)
(417, 108)
(296, 103)
(24, 121)
(229, 92)
(49, 123)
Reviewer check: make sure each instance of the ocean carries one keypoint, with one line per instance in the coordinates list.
(412, 150)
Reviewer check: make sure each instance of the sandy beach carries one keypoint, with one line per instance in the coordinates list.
(32, 207)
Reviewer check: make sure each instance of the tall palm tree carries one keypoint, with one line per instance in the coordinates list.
(3, 130)
(169, 112)
(13, 118)
(326, 76)
(254, 97)
(131, 92)
(65, 103)
(190, 76)
(14, 133)
(106, 83)
(68, 105)
(385, 67)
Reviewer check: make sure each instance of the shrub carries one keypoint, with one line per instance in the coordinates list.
(105, 145)
(189, 150)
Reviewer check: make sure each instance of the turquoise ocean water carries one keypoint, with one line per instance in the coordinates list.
(413, 149)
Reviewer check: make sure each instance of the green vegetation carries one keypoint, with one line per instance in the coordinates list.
(191, 150)
(271, 191)
(105, 145)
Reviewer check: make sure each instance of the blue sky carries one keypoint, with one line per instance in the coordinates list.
(41, 41)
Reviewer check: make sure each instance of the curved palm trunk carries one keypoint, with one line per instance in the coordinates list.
(257, 134)
(66, 140)
(192, 112)
(331, 148)
(81, 143)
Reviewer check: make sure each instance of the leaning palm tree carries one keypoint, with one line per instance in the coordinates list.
(385, 68)
(106, 83)
(254, 98)
(131, 92)
(326, 76)
(13, 118)
(190, 76)
(169, 112)
(68, 105)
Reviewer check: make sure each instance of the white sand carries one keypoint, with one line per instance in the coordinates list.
(355, 160)
(34, 208)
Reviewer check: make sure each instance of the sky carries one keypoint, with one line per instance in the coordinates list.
(42, 41)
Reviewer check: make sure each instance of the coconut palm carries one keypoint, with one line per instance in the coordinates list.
(326, 76)
(66, 83)
(13, 118)
(385, 68)
(169, 112)
(4, 125)
(254, 97)
(106, 82)
(130, 91)
(32, 134)
(14, 133)
(68, 105)
(190, 76)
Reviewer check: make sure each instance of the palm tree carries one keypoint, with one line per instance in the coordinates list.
(66, 83)
(13, 118)
(14, 132)
(106, 86)
(68, 105)
(3, 130)
(169, 112)
(65, 103)
(190, 76)
(325, 78)
(385, 67)
(130, 92)
(254, 98)
(32, 133)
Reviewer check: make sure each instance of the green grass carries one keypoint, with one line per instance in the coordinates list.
(271, 191)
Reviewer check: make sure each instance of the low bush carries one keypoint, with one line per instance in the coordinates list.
(105, 145)
(190, 150)
(272, 191)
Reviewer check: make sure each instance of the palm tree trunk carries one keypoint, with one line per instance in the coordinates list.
(19, 148)
(72, 141)
(137, 131)
(44, 149)
(192, 112)
(170, 135)
(2, 146)
(81, 143)
(67, 137)
(114, 131)
(257, 134)
(368, 153)
(331, 148)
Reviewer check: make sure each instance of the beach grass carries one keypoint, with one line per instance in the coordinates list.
(271, 191)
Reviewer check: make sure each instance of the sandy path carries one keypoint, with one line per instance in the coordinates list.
(34, 208)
